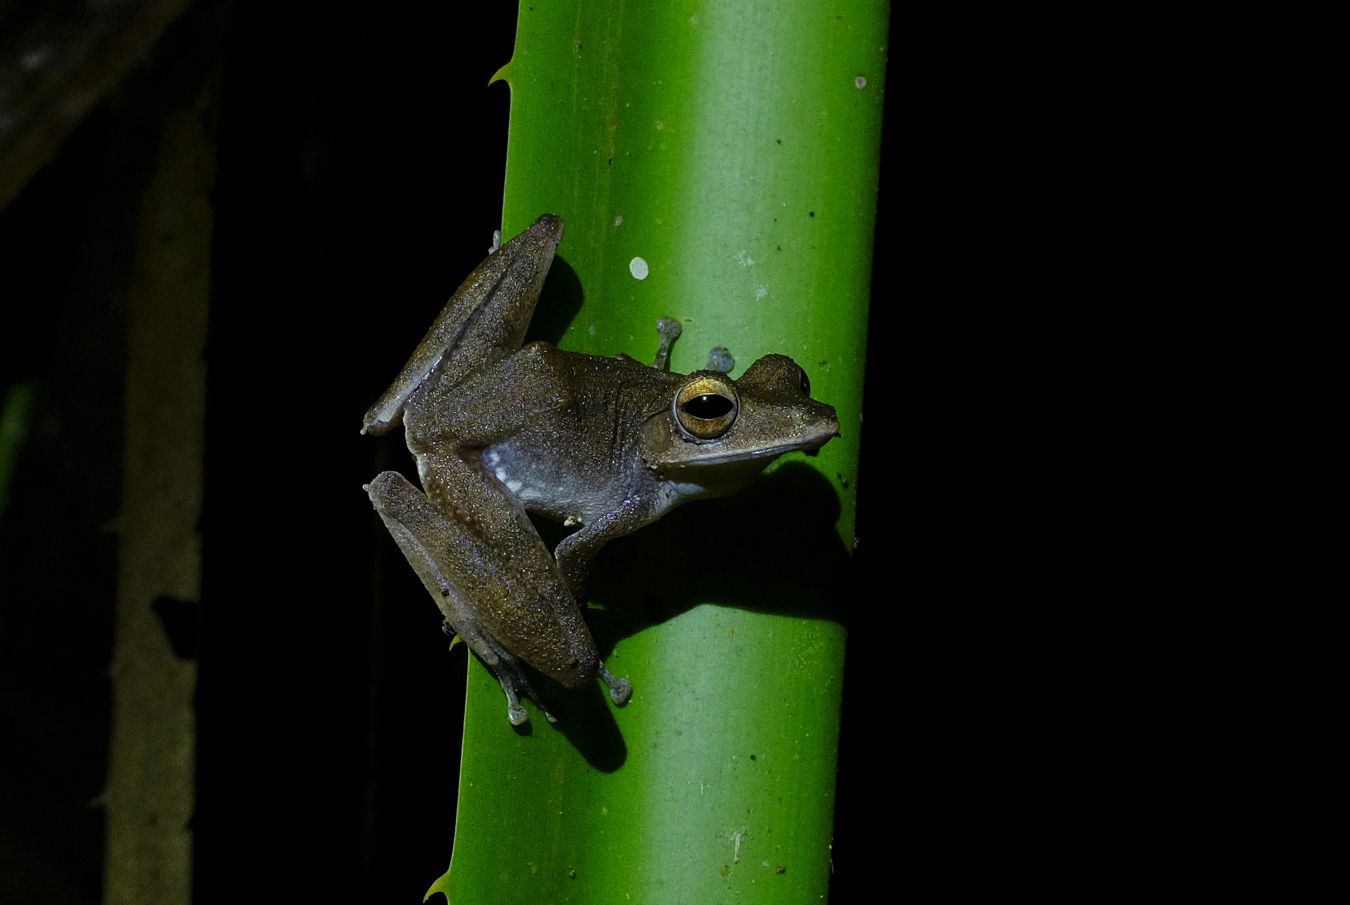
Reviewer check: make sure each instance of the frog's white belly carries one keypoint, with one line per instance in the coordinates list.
(576, 492)
(549, 487)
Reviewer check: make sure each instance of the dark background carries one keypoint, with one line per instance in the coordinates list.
(1093, 650)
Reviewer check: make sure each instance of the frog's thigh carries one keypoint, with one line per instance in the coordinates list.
(425, 536)
(478, 540)
(519, 591)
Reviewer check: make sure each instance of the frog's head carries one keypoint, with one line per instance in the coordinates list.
(719, 433)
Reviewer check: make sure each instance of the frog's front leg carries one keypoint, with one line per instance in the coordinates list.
(577, 550)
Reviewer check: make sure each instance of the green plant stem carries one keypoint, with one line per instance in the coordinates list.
(715, 163)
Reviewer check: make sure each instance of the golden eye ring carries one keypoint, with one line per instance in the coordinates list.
(705, 407)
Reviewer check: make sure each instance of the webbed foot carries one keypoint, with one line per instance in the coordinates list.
(620, 689)
(669, 330)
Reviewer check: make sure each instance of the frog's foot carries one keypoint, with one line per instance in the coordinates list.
(515, 711)
(510, 676)
(507, 670)
(515, 685)
(720, 360)
(669, 330)
(620, 689)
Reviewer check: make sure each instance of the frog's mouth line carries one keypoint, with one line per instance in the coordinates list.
(765, 453)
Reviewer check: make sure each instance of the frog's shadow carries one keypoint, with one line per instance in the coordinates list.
(771, 548)
(560, 302)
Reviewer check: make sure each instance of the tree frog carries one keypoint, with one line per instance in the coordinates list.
(603, 444)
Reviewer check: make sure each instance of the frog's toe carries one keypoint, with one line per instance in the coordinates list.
(720, 360)
(620, 689)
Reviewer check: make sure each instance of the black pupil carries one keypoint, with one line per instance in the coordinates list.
(708, 406)
(806, 383)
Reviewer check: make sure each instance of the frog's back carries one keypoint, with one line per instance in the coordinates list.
(573, 451)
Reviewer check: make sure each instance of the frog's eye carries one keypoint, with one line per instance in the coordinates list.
(705, 407)
(805, 381)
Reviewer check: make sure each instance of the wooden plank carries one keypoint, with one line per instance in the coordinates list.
(149, 795)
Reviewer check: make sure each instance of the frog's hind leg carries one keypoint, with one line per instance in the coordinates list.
(483, 322)
(440, 556)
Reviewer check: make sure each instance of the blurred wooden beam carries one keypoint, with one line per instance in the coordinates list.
(56, 65)
(150, 796)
